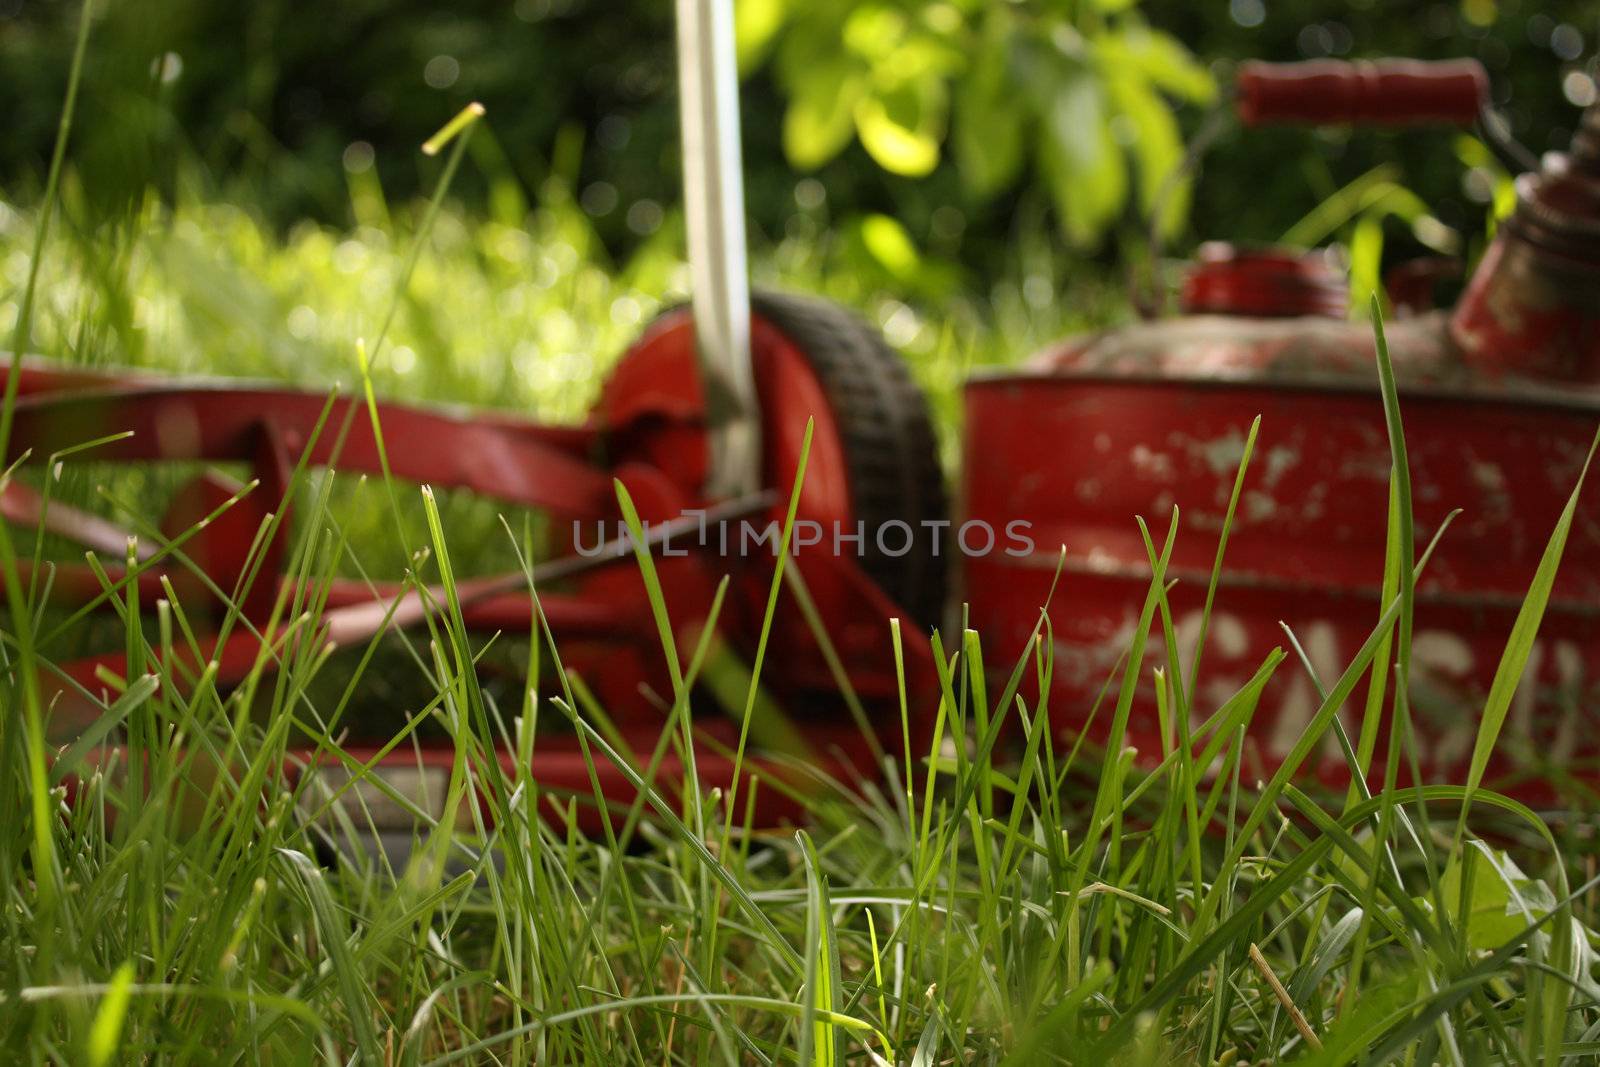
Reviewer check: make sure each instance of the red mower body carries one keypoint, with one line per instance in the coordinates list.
(648, 432)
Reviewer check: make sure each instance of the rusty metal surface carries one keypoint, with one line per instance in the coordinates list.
(1246, 348)
(1078, 455)
(1532, 308)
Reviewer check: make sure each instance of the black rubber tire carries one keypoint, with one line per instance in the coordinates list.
(891, 453)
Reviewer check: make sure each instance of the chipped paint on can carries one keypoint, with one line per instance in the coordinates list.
(1306, 548)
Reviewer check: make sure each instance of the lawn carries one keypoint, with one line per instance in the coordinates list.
(1010, 895)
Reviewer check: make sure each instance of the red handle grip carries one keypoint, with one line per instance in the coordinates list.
(1384, 92)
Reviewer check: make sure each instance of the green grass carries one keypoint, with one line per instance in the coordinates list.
(1008, 896)
(1107, 913)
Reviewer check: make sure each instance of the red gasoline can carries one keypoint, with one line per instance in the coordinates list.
(1500, 400)
(1078, 455)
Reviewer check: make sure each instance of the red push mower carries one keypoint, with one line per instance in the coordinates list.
(703, 422)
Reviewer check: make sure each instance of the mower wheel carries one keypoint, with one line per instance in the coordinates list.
(891, 453)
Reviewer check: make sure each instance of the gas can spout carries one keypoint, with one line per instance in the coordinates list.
(1585, 153)
(1532, 307)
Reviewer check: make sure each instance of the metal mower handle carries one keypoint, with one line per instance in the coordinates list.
(1383, 92)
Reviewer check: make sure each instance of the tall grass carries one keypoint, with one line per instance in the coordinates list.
(1011, 895)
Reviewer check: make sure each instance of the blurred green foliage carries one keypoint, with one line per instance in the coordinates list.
(929, 143)
(1070, 95)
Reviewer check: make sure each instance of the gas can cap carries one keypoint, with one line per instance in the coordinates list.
(1268, 282)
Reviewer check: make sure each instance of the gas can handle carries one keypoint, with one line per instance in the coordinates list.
(1382, 92)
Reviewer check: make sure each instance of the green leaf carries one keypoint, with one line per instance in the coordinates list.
(890, 245)
(106, 1030)
(1338, 209)
(1504, 899)
(1166, 63)
(987, 136)
(1328, 952)
(820, 118)
(755, 27)
(1366, 260)
(1368, 1018)
(1157, 147)
(1087, 174)
(141, 690)
(334, 933)
(901, 127)
(824, 987)
(823, 84)
(874, 31)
